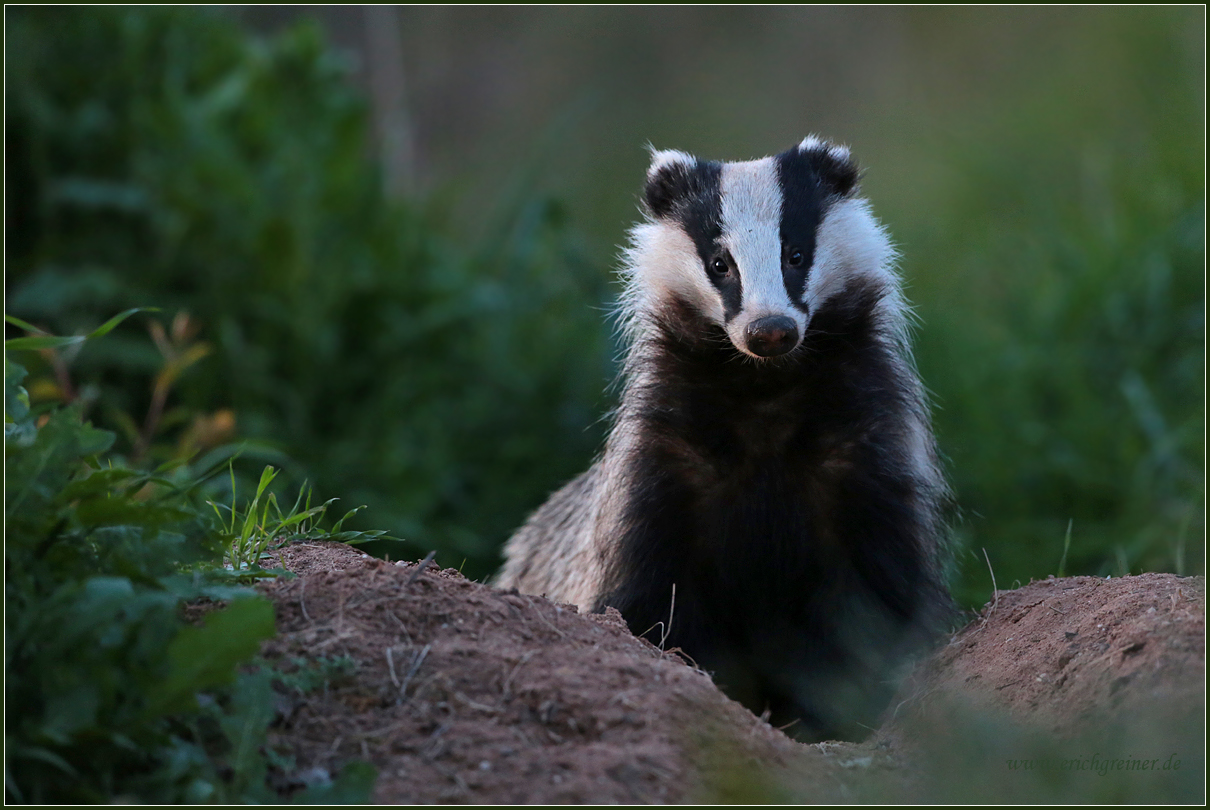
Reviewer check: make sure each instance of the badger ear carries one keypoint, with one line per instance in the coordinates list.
(833, 165)
(669, 180)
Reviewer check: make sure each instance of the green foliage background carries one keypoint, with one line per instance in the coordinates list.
(1062, 295)
(162, 156)
(442, 359)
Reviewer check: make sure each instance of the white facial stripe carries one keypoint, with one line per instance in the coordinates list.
(751, 214)
(671, 266)
(849, 242)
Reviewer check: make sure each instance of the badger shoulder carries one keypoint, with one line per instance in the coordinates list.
(552, 553)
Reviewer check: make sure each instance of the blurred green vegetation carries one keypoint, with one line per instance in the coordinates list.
(1062, 293)
(951, 750)
(161, 156)
(968, 752)
(443, 360)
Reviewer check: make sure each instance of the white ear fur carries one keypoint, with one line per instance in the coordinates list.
(810, 143)
(662, 158)
(813, 143)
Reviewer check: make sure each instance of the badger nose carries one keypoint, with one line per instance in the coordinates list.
(772, 335)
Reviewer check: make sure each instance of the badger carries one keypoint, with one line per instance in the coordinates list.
(769, 499)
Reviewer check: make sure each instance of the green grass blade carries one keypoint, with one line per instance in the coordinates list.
(266, 477)
(108, 326)
(41, 342)
(26, 325)
(1066, 546)
(349, 514)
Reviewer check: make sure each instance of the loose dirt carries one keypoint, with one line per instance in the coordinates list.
(462, 693)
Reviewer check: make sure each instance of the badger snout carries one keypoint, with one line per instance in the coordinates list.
(771, 335)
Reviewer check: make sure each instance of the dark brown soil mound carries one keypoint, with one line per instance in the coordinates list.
(1062, 651)
(464, 693)
(1065, 690)
(467, 693)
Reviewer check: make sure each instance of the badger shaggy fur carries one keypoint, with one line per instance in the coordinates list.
(769, 499)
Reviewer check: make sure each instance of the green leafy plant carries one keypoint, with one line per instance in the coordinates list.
(109, 693)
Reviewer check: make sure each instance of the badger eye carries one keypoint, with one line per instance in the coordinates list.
(794, 257)
(719, 266)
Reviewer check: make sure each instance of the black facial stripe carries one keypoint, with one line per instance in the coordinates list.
(803, 198)
(730, 288)
(690, 195)
(699, 210)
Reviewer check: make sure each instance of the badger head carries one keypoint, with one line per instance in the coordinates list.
(757, 247)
